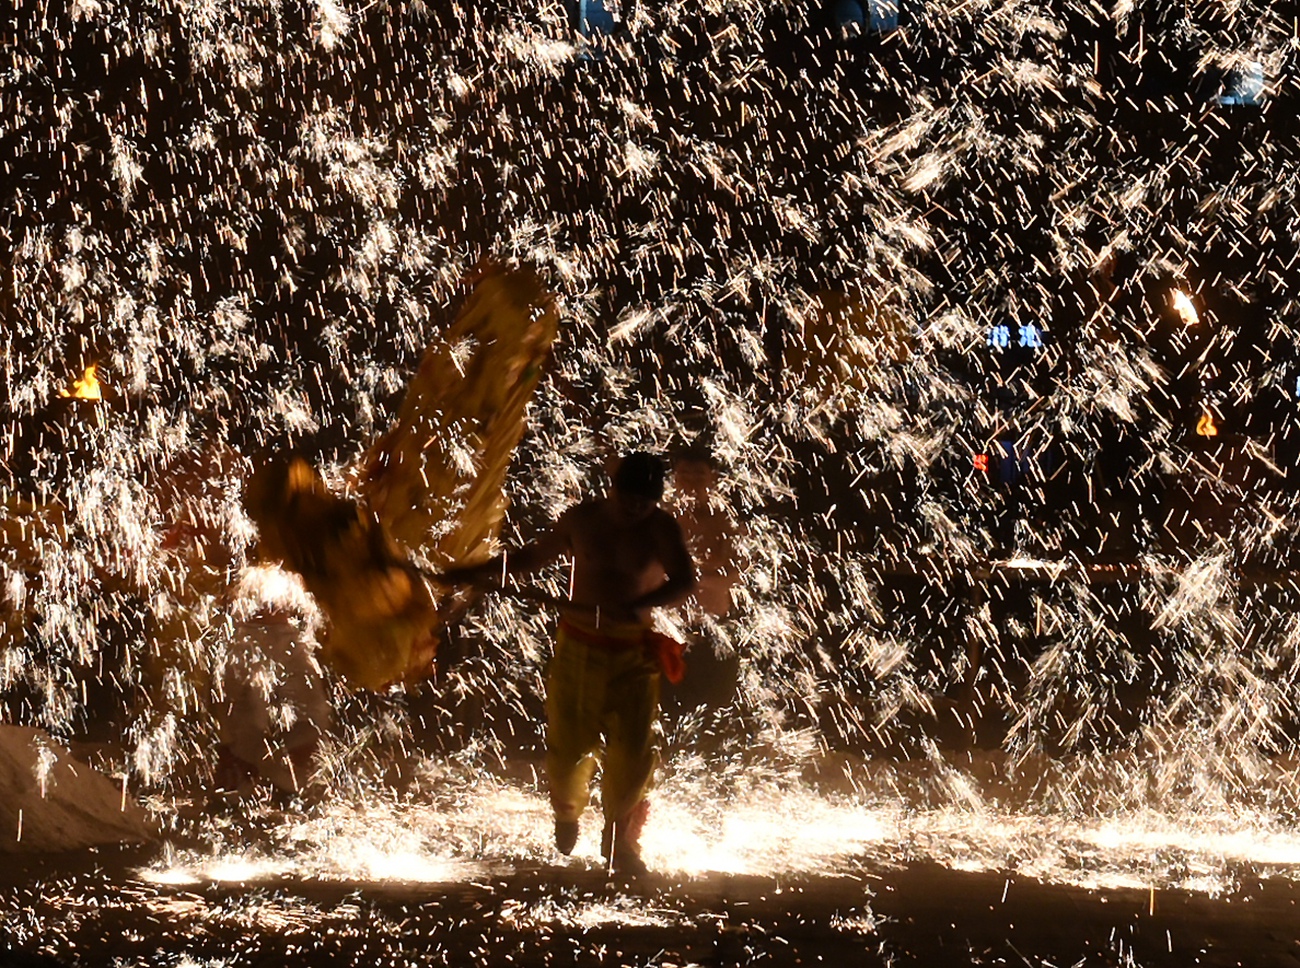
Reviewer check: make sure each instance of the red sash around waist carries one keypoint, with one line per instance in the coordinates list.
(667, 651)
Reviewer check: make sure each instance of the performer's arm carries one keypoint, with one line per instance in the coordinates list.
(679, 571)
(538, 553)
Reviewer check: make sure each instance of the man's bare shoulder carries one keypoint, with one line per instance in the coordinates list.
(582, 517)
(663, 518)
(665, 524)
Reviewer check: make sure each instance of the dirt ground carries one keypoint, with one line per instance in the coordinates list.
(92, 909)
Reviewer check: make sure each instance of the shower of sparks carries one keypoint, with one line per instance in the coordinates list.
(923, 295)
(462, 830)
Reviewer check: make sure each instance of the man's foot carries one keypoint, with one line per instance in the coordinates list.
(607, 840)
(566, 836)
(627, 860)
(620, 844)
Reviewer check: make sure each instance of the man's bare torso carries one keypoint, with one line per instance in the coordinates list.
(616, 560)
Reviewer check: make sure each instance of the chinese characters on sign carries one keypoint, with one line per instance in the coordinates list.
(1029, 336)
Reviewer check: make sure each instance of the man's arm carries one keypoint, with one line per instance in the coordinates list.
(532, 556)
(679, 570)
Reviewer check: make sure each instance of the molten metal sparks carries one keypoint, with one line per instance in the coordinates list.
(915, 293)
(624, 912)
(464, 830)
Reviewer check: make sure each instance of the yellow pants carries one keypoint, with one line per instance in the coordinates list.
(601, 686)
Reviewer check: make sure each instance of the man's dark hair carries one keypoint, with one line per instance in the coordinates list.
(641, 474)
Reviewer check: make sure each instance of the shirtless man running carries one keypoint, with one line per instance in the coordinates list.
(628, 557)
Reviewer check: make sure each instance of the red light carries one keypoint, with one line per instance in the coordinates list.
(982, 463)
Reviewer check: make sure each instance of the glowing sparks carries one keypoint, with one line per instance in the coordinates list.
(937, 533)
(764, 833)
(623, 912)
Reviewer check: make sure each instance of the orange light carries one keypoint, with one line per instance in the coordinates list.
(982, 462)
(1205, 427)
(87, 388)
